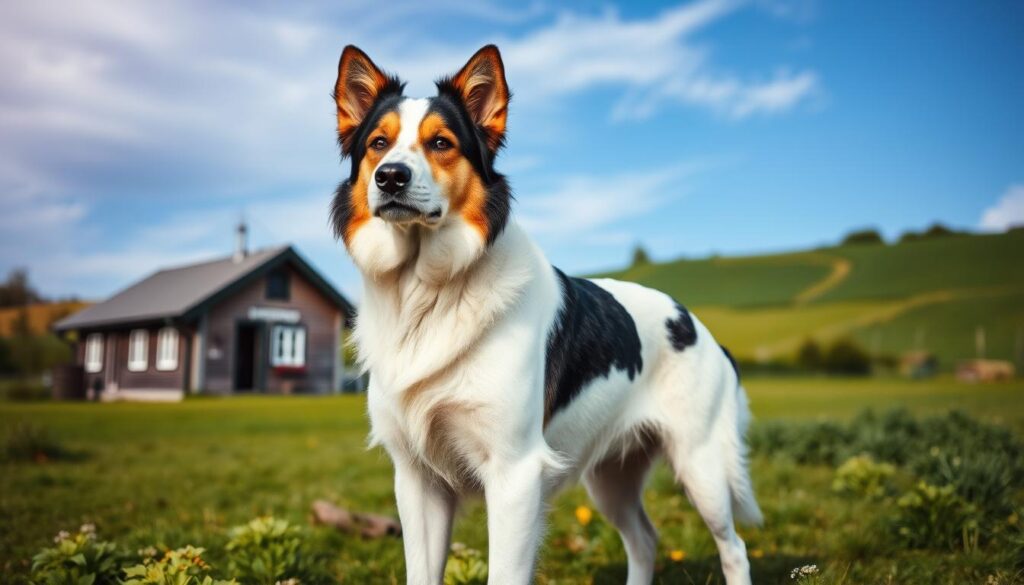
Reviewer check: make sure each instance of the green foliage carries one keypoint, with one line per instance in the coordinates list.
(640, 257)
(867, 236)
(184, 566)
(810, 357)
(265, 550)
(937, 517)
(30, 355)
(861, 476)
(845, 357)
(27, 441)
(466, 566)
(980, 467)
(171, 474)
(77, 559)
(16, 290)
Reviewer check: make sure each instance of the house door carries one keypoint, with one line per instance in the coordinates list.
(246, 354)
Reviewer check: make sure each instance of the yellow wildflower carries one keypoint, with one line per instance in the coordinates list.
(584, 515)
(756, 553)
(677, 555)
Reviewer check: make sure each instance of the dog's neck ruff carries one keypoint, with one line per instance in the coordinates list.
(412, 326)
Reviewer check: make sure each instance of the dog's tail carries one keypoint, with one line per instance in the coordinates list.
(741, 489)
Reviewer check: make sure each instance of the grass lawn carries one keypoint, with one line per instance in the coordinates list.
(170, 475)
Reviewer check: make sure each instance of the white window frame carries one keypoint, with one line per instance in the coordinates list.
(94, 353)
(167, 349)
(288, 346)
(138, 350)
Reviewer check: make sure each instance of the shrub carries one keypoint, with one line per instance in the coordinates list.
(31, 442)
(846, 357)
(861, 476)
(867, 236)
(77, 559)
(184, 566)
(265, 550)
(640, 257)
(810, 357)
(937, 517)
(466, 566)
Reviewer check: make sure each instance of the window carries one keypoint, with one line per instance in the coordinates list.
(167, 349)
(278, 285)
(94, 353)
(288, 346)
(138, 350)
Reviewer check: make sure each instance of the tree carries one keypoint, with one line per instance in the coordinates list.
(16, 291)
(640, 257)
(846, 357)
(809, 357)
(866, 236)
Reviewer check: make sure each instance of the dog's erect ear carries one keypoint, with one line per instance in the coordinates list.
(482, 87)
(359, 85)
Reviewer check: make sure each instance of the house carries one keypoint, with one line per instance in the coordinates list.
(264, 321)
(982, 370)
(919, 364)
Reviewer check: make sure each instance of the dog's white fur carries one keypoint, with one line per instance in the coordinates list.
(454, 334)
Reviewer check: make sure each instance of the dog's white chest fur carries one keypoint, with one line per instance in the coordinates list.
(454, 364)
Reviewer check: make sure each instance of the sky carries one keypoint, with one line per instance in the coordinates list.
(135, 135)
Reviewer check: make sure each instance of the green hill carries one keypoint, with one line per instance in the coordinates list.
(931, 294)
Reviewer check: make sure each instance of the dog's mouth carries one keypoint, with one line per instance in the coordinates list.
(398, 212)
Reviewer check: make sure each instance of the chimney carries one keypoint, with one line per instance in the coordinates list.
(241, 244)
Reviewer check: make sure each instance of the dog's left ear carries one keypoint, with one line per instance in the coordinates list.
(482, 87)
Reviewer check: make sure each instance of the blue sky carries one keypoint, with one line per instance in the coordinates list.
(134, 135)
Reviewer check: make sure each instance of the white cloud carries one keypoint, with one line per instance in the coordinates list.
(206, 109)
(582, 205)
(1007, 212)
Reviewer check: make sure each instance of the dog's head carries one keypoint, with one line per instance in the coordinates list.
(421, 168)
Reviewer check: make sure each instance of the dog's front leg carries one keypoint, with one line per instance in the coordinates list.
(514, 494)
(426, 508)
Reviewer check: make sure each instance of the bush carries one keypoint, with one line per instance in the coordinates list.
(640, 257)
(466, 566)
(867, 236)
(980, 464)
(184, 566)
(265, 551)
(937, 517)
(861, 476)
(846, 357)
(77, 559)
(810, 357)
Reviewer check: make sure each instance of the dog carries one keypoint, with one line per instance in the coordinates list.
(493, 372)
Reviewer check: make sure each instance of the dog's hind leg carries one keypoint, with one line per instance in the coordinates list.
(616, 486)
(702, 471)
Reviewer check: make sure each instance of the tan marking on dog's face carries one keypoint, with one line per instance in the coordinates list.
(387, 128)
(453, 173)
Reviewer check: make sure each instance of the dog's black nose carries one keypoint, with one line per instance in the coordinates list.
(392, 177)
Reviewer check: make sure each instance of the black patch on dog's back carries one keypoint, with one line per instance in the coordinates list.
(681, 332)
(593, 334)
(732, 360)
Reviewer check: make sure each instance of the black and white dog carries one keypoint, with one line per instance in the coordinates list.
(494, 372)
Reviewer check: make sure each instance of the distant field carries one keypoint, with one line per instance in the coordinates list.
(40, 315)
(928, 294)
(184, 473)
(737, 282)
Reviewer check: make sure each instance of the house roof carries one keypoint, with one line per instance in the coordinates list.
(184, 292)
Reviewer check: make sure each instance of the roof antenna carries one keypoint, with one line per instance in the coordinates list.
(241, 240)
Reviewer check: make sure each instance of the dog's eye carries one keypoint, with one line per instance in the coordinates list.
(379, 143)
(440, 143)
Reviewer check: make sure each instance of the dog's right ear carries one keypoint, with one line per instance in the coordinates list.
(360, 83)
